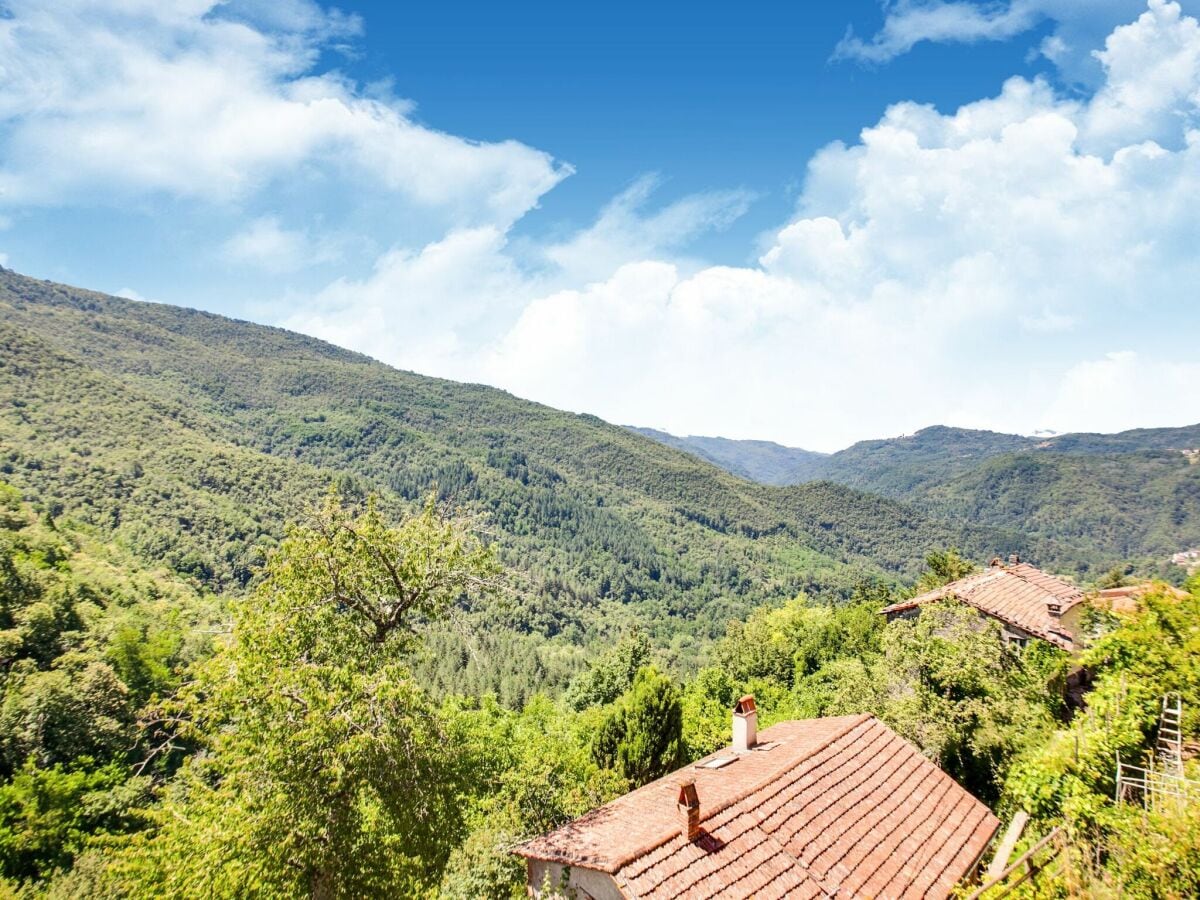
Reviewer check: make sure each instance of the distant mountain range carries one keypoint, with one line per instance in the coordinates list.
(762, 461)
(1133, 494)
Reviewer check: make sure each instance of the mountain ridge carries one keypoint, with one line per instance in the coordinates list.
(193, 438)
(1134, 494)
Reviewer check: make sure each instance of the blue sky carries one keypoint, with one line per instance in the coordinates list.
(813, 223)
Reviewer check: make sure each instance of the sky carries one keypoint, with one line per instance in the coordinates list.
(809, 223)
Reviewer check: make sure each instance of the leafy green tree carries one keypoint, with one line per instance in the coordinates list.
(47, 814)
(642, 735)
(943, 567)
(528, 772)
(797, 638)
(79, 709)
(707, 708)
(324, 770)
(611, 674)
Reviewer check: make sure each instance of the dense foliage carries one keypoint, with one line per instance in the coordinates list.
(303, 757)
(192, 439)
(1084, 500)
(87, 638)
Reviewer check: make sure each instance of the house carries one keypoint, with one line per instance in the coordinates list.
(1026, 601)
(822, 808)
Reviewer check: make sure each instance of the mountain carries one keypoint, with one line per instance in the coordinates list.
(192, 440)
(762, 461)
(1128, 496)
(897, 466)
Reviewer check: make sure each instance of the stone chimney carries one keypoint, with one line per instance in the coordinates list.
(688, 806)
(745, 724)
(1013, 559)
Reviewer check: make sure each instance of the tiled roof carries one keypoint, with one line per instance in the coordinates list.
(835, 807)
(1125, 599)
(1019, 594)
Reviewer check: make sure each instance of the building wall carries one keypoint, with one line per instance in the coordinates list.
(1012, 632)
(1071, 620)
(580, 883)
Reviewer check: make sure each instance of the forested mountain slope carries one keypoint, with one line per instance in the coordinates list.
(193, 438)
(1128, 496)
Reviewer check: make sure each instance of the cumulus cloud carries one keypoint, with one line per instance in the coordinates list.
(968, 267)
(214, 102)
(1108, 393)
(433, 309)
(956, 267)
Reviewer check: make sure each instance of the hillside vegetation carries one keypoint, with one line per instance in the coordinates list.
(192, 439)
(295, 754)
(1083, 501)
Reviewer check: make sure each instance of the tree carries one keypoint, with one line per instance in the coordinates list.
(642, 736)
(323, 769)
(943, 567)
(611, 674)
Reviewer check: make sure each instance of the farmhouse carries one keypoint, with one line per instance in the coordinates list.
(1026, 601)
(821, 808)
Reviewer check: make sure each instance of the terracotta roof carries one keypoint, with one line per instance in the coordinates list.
(835, 807)
(1125, 599)
(1019, 594)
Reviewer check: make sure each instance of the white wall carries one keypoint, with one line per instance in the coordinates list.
(581, 884)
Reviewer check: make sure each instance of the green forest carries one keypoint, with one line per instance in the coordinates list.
(277, 620)
(1133, 496)
(161, 743)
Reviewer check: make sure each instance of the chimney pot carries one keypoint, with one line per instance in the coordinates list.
(1054, 608)
(688, 806)
(745, 723)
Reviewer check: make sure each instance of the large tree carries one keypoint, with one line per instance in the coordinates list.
(322, 768)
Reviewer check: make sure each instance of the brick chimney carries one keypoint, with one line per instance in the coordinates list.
(688, 806)
(745, 723)
(1054, 608)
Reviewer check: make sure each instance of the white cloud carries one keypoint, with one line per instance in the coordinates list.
(3, 259)
(1079, 25)
(1123, 387)
(266, 244)
(969, 267)
(130, 294)
(909, 22)
(433, 309)
(625, 230)
(1152, 92)
(948, 267)
(214, 102)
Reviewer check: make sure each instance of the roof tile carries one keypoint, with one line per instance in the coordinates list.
(1018, 594)
(842, 807)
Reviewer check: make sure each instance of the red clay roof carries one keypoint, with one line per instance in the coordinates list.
(1125, 599)
(834, 807)
(1018, 594)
